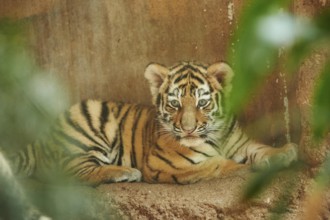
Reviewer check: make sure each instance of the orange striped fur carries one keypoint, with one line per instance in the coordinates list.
(185, 137)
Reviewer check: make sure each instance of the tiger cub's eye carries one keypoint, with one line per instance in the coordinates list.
(175, 103)
(202, 102)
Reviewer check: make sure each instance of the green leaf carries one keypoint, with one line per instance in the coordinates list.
(321, 106)
(262, 179)
(30, 98)
(323, 178)
(252, 57)
(317, 34)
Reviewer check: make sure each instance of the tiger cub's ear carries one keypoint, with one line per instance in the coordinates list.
(155, 74)
(220, 76)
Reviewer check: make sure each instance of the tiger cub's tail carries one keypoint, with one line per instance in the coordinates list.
(23, 162)
(14, 203)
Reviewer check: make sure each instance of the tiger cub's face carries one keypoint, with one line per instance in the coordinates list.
(189, 98)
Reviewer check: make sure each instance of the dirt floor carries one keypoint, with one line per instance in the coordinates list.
(215, 199)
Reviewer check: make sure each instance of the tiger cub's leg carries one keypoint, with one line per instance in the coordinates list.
(262, 156)
(217, 166)
(110, 174)
(95, 174)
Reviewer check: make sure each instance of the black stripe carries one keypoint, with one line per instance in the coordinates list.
(114, 161)
(133, 153)
(121, 147)
(156, 177)
(197, 78)
(180, 70)
(159, 148)
(119, 108)
(175, 179)
(20, 161)
(233, 123)
(167, 89)
(72, 140)
(70, 158)
(254, 156)
(244, 160)
(199, 152)
(98, 149)
(120, 155)
(217, 98)
(193, 88)
(237, 149)
(75, 170)
(114, 142)
(78, 128)
(158, 100)
(175, 66)
(145, 134)
(223, 101)
(26, 158)
(86, 170)
(194, 69)
(233, 145)
(104, 117)
(167, 161)
(230, 129)
(200, 65)
(256, 153)
(187, 158)
(149, 167)
(181, 77)
(86, 114)
(214, 145)
(59, 143)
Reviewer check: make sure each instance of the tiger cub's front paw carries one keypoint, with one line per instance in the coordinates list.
(281, 157)
(125, 174)
(288, 155)
(130, 175)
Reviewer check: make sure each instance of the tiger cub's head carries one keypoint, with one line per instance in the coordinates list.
(190, 98)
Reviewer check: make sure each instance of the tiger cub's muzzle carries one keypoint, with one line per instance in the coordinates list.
(189, 125)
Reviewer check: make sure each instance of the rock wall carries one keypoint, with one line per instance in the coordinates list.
(100, 48)
(313, 153)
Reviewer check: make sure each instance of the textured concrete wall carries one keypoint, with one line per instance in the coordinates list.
(313, 153)
(100, 48)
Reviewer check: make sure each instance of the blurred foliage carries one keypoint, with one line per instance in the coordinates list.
(71, 201)
(30, 99)
(267, 32)
(267, 29)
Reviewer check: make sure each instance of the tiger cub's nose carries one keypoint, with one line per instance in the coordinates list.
(188, 130)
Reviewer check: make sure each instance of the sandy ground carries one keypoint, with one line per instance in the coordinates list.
(215, 199)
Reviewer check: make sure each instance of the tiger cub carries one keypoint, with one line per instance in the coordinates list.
(186, 137)
(13, 203)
